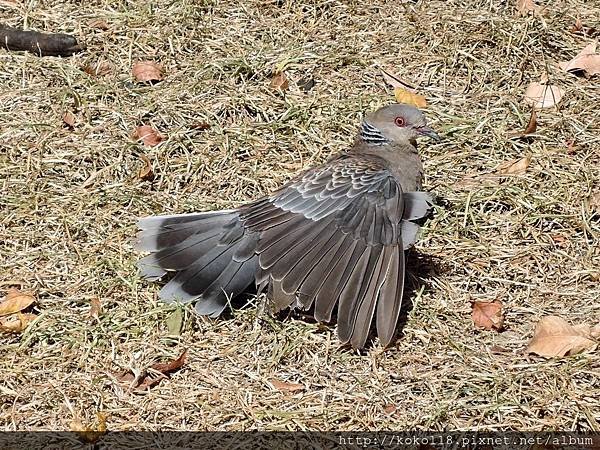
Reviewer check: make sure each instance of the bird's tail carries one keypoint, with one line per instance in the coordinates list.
(212, 254)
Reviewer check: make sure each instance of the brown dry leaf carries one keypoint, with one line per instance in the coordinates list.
(577, 26)
(595, 331)
(171, 366)
(524, 7)
(16, 323)
(146, 173)
(587, 61)
(284, 386)
(389, 408)
(100, 24)
(68, 119)
(148, 135)
(147, 71)
(15, 301)
(410, 98)
(554, 337)
(488, 315)
(541, 95)
(150, 378)
(404, 92)
(201, 126)
(280, 81)
(98, 69)
(514, 167)
(529, 129)
(95, 308)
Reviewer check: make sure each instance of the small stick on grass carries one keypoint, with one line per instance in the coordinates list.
(42, 44)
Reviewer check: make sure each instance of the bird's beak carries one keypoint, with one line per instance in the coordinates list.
(426, 131)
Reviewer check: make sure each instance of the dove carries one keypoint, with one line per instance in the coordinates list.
(331, 240)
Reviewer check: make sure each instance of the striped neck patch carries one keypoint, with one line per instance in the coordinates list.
(372, 135)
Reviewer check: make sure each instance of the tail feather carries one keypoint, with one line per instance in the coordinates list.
(213, 254)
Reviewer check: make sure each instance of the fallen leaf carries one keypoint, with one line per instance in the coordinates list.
(15, 301)
(171, 366)
(150, 378)
(175, 322)
(16, 323)
(148, 135)
(280, 81)
(95, 308)
(587, 61)
(514, 167)
(488, 315)
(554, 337)
(389, 409)
(200, 126)
(146, 173)
(560, 240)
(524, 7)
(577, 26)
(98, 69)
(530, 128)
(284, 386)
(100, 24)
(69, 119)
(541, 95)
(595, 331)
(147, 71)
(404, 92)
(410, 98)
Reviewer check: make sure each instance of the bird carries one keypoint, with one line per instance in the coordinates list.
(334, 236)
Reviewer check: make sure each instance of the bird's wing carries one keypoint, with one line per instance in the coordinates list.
(335, 236)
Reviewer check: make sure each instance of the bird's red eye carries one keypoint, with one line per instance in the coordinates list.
(399, 121)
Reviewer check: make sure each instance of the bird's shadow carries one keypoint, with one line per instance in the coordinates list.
(420, 267)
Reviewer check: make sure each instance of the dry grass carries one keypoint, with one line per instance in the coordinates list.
(70, 199)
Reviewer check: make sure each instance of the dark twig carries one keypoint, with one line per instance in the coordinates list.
(42, 44)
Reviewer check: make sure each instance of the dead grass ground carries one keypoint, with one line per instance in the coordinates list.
(70, 199)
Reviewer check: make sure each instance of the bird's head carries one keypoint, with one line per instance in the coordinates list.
(396, 123)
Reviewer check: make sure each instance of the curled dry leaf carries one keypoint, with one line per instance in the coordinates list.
(148, 135)
(404, 92)
(98, 69)
(69, 119)
(147, 71)
(100, 24)
(488, 315)
(280, 81)
(150, 378)
(284, 386)
(525, 7)
(554, 337)
(146, 173)
(16, 323)
(514, 167)
(410, 98)
(541, 95)
(587, 61)
(95, 308)
(530, 128)
(15, 301)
